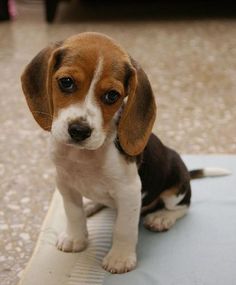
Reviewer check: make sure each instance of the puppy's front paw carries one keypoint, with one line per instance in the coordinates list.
(119, 262)
(69, 244)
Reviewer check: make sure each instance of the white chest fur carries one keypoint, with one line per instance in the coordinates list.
(99, 175)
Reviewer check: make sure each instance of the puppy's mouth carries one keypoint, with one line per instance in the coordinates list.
(75, 144)
(86, 144)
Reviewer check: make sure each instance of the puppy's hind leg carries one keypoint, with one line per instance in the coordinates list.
(163, 220)
(176, 206)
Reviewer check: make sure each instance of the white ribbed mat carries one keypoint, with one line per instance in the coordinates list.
(50, 266)
(199, 249)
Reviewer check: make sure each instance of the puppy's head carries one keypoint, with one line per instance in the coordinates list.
(80, 89)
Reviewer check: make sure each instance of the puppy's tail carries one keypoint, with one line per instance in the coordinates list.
(208, 172)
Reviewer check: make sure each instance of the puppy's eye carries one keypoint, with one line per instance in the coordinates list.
(67, 84)
(110, 97)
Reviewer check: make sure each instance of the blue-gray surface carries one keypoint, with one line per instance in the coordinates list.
(201, 248)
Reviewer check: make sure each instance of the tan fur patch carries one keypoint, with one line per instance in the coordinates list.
(169, 193)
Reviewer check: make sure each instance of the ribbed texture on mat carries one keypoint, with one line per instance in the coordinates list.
(88, 268)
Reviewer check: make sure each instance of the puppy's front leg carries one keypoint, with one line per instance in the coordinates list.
(75, 237)
(122, 256)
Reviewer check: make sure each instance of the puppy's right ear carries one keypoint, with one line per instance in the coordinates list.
(36, 81)
(139, 112)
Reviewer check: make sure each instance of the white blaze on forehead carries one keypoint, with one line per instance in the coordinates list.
(91, 110)
(96, 77)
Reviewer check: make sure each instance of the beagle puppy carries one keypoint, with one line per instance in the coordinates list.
(98, 105)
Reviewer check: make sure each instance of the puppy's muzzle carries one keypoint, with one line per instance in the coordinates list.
(79, 132)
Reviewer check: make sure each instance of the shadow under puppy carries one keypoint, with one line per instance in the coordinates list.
(99, 106)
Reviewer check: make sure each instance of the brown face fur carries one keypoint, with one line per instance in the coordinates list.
(78, 57)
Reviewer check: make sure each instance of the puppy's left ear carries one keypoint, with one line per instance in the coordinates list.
(36, 84)
(139, 114)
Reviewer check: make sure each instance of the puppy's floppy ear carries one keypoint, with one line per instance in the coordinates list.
(36, 85)
(139, 113)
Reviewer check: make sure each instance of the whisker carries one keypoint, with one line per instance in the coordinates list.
(43, 113)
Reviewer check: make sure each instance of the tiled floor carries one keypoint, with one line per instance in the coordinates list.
(192, 68)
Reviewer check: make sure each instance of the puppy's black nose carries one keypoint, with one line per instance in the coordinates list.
(79, 132)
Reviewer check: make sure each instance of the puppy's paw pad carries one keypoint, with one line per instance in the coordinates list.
(119, 262)
(159, 222)
(69, 244)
